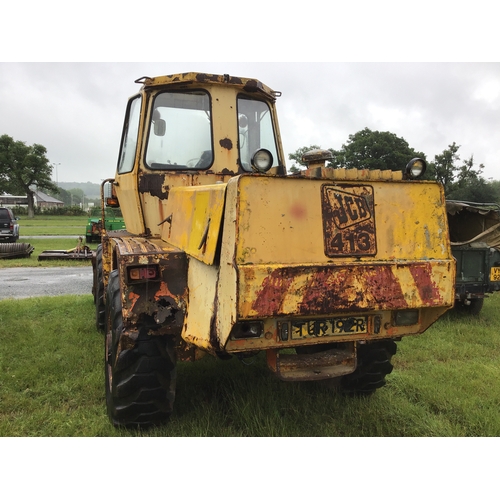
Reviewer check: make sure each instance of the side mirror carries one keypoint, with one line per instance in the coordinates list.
(160, 127)
(109, 194)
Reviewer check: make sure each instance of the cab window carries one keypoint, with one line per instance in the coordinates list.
(129, 138)
(255, 127)
(180, 132)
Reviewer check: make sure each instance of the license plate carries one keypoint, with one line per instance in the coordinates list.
(495, 274)
(327, 327)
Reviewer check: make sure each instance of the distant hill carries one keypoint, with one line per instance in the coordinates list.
(90, 189)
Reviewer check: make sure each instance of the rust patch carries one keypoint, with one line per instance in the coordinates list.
(205, 77)
(226, 143)
(274, 287)
(321, 295)
(153, 184)
(226, 171)
(385, 287)
(164, 292)
(427, 289)
(132, 299)
(252, 86)
(329, 290)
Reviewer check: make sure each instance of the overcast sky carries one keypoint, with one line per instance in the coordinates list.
(76, 110)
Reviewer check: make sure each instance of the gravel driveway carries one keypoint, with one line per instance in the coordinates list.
(24, 282)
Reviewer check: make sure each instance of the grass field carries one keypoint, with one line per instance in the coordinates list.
(50, 233)
(445, 383)
(52, 225)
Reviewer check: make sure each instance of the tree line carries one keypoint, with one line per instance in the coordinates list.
(25, 169)
(462, 179)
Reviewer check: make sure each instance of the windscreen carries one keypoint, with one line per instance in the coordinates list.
(180, 132)
(129, 139)
(256, 131)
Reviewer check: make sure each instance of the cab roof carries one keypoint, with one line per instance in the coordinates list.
(186, 79)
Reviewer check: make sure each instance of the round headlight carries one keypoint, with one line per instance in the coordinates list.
(415, 168)
(262, 160)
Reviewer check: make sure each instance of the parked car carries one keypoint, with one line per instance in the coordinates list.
(9, 228)
(475, 244)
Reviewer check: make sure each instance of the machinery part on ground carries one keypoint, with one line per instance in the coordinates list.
(84, 253)
(15, 250)
(80, 252)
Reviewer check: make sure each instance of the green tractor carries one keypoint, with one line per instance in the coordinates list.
(113, 222)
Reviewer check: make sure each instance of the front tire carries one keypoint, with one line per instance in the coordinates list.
(99, 291)
(140, 377)
(374, 363)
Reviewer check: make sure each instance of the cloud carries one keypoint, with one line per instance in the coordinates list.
(76, 110)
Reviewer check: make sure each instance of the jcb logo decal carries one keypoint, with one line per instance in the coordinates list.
(348, 209)
(348, 220)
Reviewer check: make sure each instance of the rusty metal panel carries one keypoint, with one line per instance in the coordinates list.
(194, 220)
(126, 190)
(322, 365)
(266, 291)
(279, 251)
(158, 304)
(202, 285)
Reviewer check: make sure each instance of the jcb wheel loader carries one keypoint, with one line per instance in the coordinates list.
(225, 254)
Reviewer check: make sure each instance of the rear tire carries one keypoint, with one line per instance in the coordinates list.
(374, 363)
(475, 306)
(140, 379)
(99, 291)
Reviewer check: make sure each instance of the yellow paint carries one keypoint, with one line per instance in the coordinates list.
(126, 190)
(202, 282)
(196, 219)
(286, 228)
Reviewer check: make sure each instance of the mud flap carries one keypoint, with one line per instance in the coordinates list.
(322, 365)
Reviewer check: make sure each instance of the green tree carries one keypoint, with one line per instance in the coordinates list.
(476, 190)
(297, 158)
(373, 150)
(466, 174)
(77, 196)
(444, 167)
(461, 182)
(23, 168)
(64, 196)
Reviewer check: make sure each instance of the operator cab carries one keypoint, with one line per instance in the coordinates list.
(193, 129)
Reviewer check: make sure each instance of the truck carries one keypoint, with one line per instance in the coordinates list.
(475, 243)
(225, 254)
